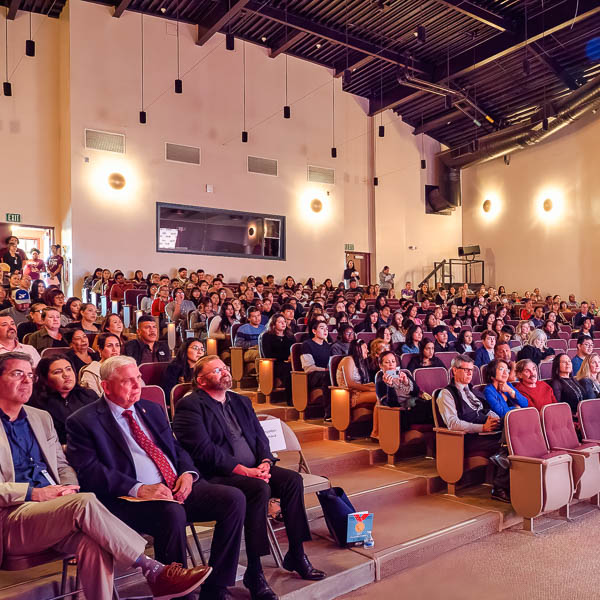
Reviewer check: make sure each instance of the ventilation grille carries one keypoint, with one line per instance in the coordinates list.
(107, 142)
(262, 166)
(182, 154)
(321, 175)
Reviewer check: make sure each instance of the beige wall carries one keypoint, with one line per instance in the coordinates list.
(400, 206)
(523, 246)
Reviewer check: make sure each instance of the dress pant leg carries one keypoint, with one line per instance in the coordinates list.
(227, 506)
(164, 521)
(289, 487)
(257, 494)
(320, 379)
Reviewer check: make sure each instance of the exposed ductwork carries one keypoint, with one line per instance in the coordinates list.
(559, 114)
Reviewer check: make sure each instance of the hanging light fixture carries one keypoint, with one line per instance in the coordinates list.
(381, 125)
(142, 112)
(347, 74)
(29, 44)
(229, 37)
(423, 161)
(287, 111)
(244, 132)
(333, 148)
(178, 82)
(6, 86)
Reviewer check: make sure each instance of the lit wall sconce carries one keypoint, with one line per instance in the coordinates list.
(316, 205)
(547, 205)
(211, 347)
(116, 181)
(487, 206)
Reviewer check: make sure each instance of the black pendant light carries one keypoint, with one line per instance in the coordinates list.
(6, 86)
(178, 82)
(229, 37)
(29, 44)
(142, 111)
(381, 129)
(244, 132)
(287, 111)
(333, 148)
(423, 161)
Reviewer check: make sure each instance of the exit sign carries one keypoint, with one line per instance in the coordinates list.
(13, 217)
(349, 247)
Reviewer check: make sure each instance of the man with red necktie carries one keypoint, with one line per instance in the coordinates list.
(122, 449)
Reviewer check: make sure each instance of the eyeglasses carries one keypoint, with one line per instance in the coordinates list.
(466, 369)
(197, 348)
(218, 371)
(18, 374)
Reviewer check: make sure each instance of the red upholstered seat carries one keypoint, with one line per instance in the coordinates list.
(431, 379)
(589, 419)
(152, 373)
(525, 435)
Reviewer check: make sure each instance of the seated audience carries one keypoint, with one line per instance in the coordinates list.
(464, 342)
(80, 354)
(536, 349)
(57, 392)
(424, 293)
(89, 376)
(346, 335)
(538, 393)
(585, 346)
(408, 293)
(146, 301)
(582, 314)
(376, 347)
(147, 348)
(49, 335)
(43, 510)
(88, 315)
(500, 395)
(414, 335)
(538, 317)
(565, 387)
(315, 356)
(276, 342)
(180, 368)
(462, 410)
(370, 323)
(441, 339)
(19, 309)
(353, 373)
(229, 448)
(588, 376)
(220, 329)
(425, 358)
(503, 352)
(384, 333)
(201, 316)
(161, 470)
(34, 321)
(485, 353)
(178, 309)
(398, 327)
(550, 329)
(113, 323)
(9, 341)
(587, 327)
(247, 338)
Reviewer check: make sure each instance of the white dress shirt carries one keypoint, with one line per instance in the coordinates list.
(447, 409)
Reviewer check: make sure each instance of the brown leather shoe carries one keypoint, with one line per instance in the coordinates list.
(174, 581)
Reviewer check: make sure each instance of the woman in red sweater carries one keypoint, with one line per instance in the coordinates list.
(538, 393)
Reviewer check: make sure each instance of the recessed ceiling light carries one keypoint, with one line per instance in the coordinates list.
(163, 10)
(263, 38)
(317, 46)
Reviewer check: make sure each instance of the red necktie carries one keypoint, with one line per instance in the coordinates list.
(152, 450)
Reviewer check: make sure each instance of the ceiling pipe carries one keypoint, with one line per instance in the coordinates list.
(562, 113)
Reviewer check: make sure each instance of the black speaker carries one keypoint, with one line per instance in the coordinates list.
(178, 86)
(29, 47)
(244, 137)
(229, 41)
(334, 153)
(142, 116)
(287, 112)
(468, 251)
(375, 180)
(382, 131)
(7, 87)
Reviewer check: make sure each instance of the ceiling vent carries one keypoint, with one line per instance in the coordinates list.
(262, 166)
(104, 141)
(182, 154)
(321, 175)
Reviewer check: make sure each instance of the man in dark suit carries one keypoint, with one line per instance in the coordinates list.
(147, 347)
(122, 446)
(224, 437)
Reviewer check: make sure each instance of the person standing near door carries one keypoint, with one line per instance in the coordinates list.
(55, 263)
(350, 273)
(34, 267)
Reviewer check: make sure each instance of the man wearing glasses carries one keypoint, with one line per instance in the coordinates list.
(585, 346)
(222, 433)
(34, 321)
(462, 410)
(10, 343)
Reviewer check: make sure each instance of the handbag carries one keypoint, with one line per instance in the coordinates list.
(336, 508)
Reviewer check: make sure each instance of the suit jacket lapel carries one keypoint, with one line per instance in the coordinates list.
(212, 405)
(158, 438)
(108, 422)
(41, 437)
(6, 460)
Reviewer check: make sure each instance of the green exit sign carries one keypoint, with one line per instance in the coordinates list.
(13, 217)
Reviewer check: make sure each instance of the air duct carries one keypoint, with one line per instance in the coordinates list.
(560, 114)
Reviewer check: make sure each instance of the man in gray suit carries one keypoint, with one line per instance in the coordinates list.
(40, 507)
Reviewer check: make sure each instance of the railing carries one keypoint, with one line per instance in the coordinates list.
(454, 271)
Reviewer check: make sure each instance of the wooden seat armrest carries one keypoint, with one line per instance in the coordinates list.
(444, 430)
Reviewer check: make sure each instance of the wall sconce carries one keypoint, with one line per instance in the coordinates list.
(547, 205)
(487, 206)
(316, 205)
(116, 181)
(251, 232)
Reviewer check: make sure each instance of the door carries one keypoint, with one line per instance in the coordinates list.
(362, 263)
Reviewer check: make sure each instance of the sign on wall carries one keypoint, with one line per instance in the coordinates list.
(13, 217)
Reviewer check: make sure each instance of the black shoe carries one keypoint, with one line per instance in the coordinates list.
(214, 593)
(327, 419)
(303, 568)
(258, 586)
(500, 460)
(500, 494)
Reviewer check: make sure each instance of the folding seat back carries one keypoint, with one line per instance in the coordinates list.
(334, 362)
(431, 379)
(429, 335)
(177, 393)
(589, 419)
(559, 344)
(545, 370)
(367, 337)
(558, 426)
(524, 434)
(152, 373)
(295, 353)
(405, 359)
(446, 357)
(300, 336)
(155, 394)
(476, 379)
(234, 330)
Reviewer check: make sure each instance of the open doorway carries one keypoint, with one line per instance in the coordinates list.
(34, 236)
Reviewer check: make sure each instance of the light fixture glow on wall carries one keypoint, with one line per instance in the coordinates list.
(491, 206)
(117, 181)
(547, 205)
(316, 205)
(550, 205)
(487, 205)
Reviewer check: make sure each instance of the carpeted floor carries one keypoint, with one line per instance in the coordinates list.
(559, 564)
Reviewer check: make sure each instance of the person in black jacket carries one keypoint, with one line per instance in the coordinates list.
(565, 387)
(276, 342)
(57, 392)
(221, 431)
(425, 358)
(147, 348)
(181, 367)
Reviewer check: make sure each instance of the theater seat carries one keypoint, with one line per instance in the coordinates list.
(177, 393)
(152, 373)
(560, 434)
(451, 461)
(302, 397)
(267, 384)
(541, 481)
(343, 415)
(431, 378)
(589, 420)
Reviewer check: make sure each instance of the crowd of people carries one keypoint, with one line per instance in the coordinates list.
(89, 397)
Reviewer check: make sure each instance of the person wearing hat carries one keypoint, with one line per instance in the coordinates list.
(440, 333)
(20, 306)
(9, 341)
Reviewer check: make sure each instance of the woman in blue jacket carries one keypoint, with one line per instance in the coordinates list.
(500, 395)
